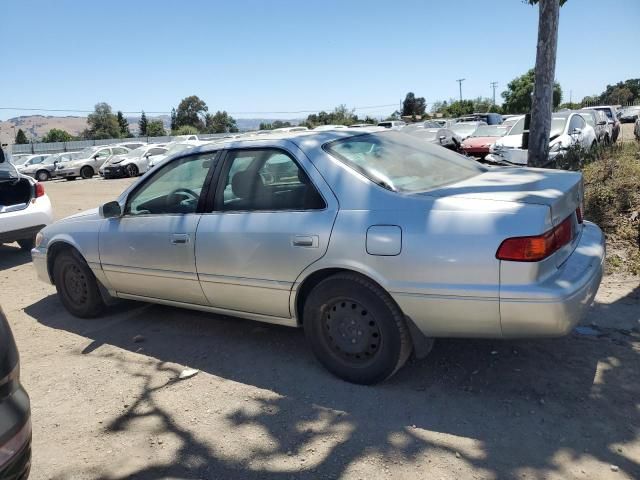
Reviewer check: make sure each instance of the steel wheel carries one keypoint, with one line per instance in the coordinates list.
(75, 284)
(42, 176)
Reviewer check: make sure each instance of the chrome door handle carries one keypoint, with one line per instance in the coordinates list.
(309, 241)
(179, 238)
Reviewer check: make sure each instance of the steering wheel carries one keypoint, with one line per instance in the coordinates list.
(191, 196)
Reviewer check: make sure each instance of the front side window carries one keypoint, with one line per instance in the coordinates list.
(402, 163)
(173, 189)
(266, 180)
(120, 151)
(103, 154)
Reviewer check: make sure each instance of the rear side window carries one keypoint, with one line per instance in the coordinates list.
(399, 162)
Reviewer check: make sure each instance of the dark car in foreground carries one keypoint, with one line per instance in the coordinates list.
(15, 417)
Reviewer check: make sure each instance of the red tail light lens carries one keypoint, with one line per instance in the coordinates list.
(538, 247)
(39, 190)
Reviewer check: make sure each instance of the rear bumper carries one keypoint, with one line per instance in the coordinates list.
(552, 308)
(15, 436)
(20, 234)
(26, 222)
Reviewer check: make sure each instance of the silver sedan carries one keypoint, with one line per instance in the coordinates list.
(373, 241)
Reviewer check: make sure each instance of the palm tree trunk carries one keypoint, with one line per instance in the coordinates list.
(542, 107)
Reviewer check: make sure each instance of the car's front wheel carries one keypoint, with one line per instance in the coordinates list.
(86, 172)
(77, 285)
(355, 329)
(132, 170)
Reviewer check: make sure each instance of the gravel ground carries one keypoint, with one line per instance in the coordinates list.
(107, 402)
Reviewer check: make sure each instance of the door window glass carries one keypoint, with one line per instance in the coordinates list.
(174, 189)
(103, 154)
(266, 180)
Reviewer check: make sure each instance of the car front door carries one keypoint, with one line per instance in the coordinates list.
(272, 217)
(149, 251)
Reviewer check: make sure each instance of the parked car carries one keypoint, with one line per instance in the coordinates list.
(362, 125)
(636, 129)
(185, 138)
(46, 169)
(321, 128)
(478, 144)
(31, 160)
(465, 129)
(392, 124)
(24, 208)
(610, 112)
(88, 162)
(130, 145)
(443, 122)
(298, 128)
(360, 237)
(488, 118)
(568, 130)
(15, 411)
(173, 149)
(597, 120)
(629, 114)
(438, 136)
(133, 163)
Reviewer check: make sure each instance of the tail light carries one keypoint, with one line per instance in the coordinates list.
(537, 247)
(39, 190)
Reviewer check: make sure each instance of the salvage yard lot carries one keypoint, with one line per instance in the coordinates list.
(107, 403)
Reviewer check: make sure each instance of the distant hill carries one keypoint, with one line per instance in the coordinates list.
(37, 126)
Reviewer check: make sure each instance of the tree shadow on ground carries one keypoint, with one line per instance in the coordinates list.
(514, 407)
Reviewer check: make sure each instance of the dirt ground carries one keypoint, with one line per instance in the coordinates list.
(106, 406)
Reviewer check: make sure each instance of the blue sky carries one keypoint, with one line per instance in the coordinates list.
(249, 56)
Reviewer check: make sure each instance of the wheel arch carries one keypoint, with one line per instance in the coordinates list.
(56, 248)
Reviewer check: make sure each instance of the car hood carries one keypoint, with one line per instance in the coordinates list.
(475, 142)
(92, 214)
(559, 190)
(510, 141)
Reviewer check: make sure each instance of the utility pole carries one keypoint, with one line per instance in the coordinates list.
(460, 80)
(494, 85)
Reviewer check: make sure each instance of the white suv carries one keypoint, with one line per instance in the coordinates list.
(24, 207)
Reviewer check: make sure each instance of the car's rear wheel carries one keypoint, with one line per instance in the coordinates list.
(77, 285)
(86, 172)
(132, 170)
(43, 176)
(355, 329)
(27, 244)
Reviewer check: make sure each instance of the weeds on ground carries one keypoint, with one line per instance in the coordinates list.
(612, 200)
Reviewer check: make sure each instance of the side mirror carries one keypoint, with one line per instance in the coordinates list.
(110, 210)
(602, 122)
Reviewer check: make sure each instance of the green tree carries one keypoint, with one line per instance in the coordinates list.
(186, 130)
(123, 123)
(620, 95)
(460, 108)
(414, 106)
(174, 120)
(274, 125)
(220, 122)
(57, 135)
(143, 124)
(620, 91)
(518, 96)
(155, 128)
(341, 115)
(102, 123)
(21, 138)
(191, 111)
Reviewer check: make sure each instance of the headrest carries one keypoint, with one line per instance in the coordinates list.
(241, 184)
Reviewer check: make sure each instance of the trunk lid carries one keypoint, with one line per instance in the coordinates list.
(561, 191)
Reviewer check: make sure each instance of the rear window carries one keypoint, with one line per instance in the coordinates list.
(401, 163)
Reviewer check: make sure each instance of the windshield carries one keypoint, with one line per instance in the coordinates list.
(557, 126)
(19, 160)
(490, 131)
(401, 163)
(138, 152)
(464, 129)
(87, 152)
(606, 110)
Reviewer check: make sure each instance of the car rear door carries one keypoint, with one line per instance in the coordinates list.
(271, 217)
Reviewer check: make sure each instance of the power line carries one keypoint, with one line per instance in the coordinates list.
(73, 110)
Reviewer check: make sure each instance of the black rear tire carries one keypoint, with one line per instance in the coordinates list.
(86, 172)
(355, 329)
(27, 244)
(77, 285)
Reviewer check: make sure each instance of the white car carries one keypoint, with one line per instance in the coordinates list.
(133, 163)
(173, 148)
(24, 207)
(392, 124)
(30, 160)
(88, 162)
(568, 130)
(323, 128)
